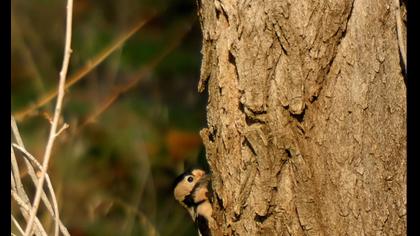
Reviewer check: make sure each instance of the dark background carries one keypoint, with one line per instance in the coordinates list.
(134, 118)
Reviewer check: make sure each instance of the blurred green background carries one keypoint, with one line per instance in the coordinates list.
(134, 118)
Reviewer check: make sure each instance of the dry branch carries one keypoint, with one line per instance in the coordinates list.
(29, 160)
(90, 65)
(53, 130)
(17, 225)
(26, 209)
(135, 79)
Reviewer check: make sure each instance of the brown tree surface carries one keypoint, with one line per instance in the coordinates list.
(306, 116)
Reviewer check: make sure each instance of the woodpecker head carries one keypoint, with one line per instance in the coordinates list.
(191, 190)
(185, 183)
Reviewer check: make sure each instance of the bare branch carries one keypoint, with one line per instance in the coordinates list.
(21, 147)
(28, 155)
(17, 186)
(21, 191)
(16, 133)
(17, 225)
(47, 203)
(135, 78)
(90, 65)
(26, 209)
(53, 130)
(12, 182)
(15, 173)
(65, 126)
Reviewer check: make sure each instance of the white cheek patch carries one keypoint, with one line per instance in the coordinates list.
(182, 190)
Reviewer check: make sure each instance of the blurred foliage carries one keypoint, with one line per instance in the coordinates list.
(113, 174)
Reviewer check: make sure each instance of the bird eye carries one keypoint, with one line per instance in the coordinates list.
(190, 179)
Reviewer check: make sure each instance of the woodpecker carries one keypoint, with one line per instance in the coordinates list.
(191, 190)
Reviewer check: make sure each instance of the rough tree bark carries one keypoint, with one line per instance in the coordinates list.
(306, 116)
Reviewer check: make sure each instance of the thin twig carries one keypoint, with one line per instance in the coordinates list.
(12, 181)
(20, 40)
(32, 159)
(137, 76)
(65, 126)
(145, 220)
(17, 184)
(18, 139)
(15, 169)
(15, 172)
(16, 133)
(28, 155)
(52, 135)
(17, 225)
(28, 160)
(90, 65)
(26, 211)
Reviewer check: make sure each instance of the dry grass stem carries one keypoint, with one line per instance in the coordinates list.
(18, 189)
(144, 219)
(39, 230)
(17, 225)
(65, 126)
(135, 79)
(53, 130)
(90, 65)
(16, 133)
(31, 159)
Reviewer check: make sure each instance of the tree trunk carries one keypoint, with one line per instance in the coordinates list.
(306, 116)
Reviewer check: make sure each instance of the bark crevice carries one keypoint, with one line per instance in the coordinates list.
(306, 117)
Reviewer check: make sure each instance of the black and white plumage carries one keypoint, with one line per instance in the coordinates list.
(192, 192)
